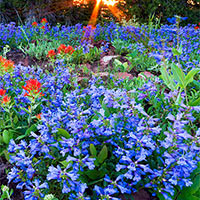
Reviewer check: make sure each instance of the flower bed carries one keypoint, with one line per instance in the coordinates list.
(111, 137)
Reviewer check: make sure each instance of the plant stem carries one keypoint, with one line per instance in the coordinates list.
(30, 116)
(186, 96)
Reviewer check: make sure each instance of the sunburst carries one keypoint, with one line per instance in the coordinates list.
(112, 6)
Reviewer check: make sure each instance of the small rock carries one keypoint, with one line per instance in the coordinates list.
(145, 75)
(103, 75)
(106, 60)
(123, 75)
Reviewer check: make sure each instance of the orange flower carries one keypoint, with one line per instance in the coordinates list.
(66, 50)
(196, 27)
(43, 27)
(70, 49)
(44, 21)
(5, 100)
(33, 87)
(2, 92)
(34, 24)
(6, 65)
(51, 53)
(61, 48)
(38, 116)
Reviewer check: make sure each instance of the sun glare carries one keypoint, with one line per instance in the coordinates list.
(112, 6)
(110, 2)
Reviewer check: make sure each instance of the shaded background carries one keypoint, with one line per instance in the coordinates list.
(70, 12)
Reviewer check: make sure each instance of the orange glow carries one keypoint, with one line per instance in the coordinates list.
(93, 18)
(111, 4)
(116, 12)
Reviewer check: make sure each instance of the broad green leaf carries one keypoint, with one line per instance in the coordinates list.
(177, 52)
(95, 174)
(63, 133)
(165, 75)
(117, 62)
(1, 139)
(189, 77)
(106, 109)
(7, 136)
(178, 74)
(197, 84)
(33, 128)
(93, 150)
(167, 79)
(125, 66)
(65, 163)
(195, 103)
(178, 100)
(160, 196)
(103, 154)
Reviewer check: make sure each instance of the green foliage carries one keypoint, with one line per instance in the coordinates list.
(80, 56)
(179, 80)
(122, 46)
(63, 133)
(6, 192)
(141, 62)
(162, 9)
(123, 67)
(40, 49)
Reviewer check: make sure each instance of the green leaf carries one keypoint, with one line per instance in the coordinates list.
(93, 150)
(7, 136)
(106, 109)
(178, 100)
(63, 133)
(190, 76)
(33, 128)
(1, 122)
(177, 52)
(95, 174)
(178, 74)
(167, 78)
(15, 120)
(103, 154)
(195, 103)
(197, 84)
(1, 139)
(65, 163)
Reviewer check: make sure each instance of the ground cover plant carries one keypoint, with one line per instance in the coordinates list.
(103, 112)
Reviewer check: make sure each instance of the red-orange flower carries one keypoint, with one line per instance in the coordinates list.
(5, 100)
(51, 53)
(6, 65)
(38, 116)
(44, 21)
(43, 27)
(66, 50)
(196, 27)
(70, 49)
(2, 92)
(33, 87)
(34, 24)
